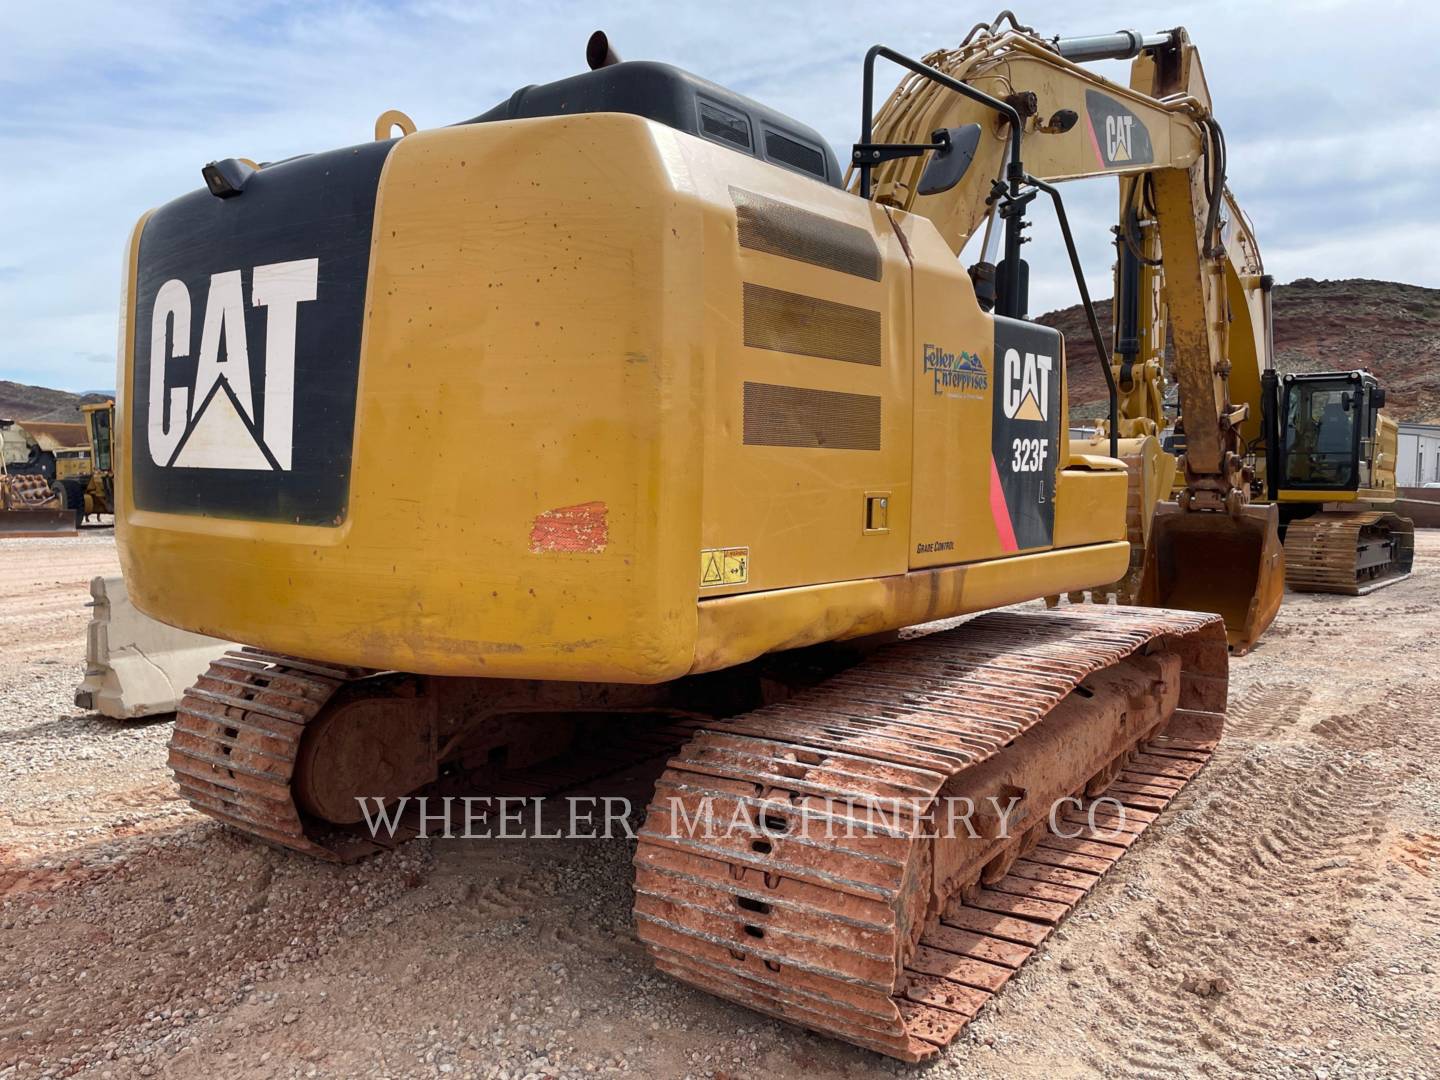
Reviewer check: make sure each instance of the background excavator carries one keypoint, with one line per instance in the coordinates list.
(741, 420)
(1307, 440)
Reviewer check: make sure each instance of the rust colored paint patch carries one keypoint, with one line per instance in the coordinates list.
(571, 528)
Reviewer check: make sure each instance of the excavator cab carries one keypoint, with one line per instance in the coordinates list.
(1327, 424)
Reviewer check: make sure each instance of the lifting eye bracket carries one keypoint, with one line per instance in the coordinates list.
(1015, 170)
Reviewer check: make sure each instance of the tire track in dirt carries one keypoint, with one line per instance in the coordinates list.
(182, 923)
(1226, 855)
(1404, 720)
(1262, 712)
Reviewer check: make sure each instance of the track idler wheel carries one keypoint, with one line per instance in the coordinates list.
(371, 742)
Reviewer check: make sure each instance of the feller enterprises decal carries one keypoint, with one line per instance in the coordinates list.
(960, 375)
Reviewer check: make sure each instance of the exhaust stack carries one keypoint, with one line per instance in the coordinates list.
(598, 51)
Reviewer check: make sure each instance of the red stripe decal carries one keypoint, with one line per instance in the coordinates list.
(1000, 512)
(1094, 139)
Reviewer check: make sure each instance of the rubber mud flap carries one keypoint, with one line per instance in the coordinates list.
(1233, 567)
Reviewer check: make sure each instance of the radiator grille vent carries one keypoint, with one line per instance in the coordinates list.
(778, 228)
(789, 322)
(799, 416)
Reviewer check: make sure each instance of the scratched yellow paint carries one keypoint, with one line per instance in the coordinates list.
(553, 320)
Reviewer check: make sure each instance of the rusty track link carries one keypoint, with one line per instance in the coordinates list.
(238, 733)
(1348, 552)
(862, 935)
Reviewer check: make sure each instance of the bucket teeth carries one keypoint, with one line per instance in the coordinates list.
(860, 934)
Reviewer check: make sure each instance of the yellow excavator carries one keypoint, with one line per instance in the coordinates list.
(732, 418)
(1315, 445)
(1330, 464)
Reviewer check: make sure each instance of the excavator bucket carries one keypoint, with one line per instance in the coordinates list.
(1208, 561)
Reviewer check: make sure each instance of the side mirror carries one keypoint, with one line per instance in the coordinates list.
(951, 161)
(1377, 397)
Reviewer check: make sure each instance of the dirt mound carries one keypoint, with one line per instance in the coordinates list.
(1390, 328)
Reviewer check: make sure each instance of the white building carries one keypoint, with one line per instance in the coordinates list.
(1419, 455)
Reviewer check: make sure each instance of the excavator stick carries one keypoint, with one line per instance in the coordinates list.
(1351, 553)
(1210, 561)
(806, 859)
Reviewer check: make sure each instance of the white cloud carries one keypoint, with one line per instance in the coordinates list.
(113, 108)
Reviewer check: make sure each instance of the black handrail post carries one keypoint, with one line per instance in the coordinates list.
(1100, 350)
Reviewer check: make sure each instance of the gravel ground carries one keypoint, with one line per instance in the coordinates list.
(1283, 920)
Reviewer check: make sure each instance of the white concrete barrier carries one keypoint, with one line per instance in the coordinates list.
(135, 666)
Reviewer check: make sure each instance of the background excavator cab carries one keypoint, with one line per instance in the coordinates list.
(1328, 418)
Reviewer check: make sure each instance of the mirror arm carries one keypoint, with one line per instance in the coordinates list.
(1014, 171)
(869, 154)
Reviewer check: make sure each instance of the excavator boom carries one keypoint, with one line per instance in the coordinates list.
(1182, 272)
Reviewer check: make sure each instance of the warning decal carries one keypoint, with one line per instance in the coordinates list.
(724, 566)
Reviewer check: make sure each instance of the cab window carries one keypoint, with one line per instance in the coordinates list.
(1320, 426)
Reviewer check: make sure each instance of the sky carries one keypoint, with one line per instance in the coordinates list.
(1332, 117)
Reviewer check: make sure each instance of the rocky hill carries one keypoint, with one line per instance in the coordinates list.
(1392, 329)
(21, 402)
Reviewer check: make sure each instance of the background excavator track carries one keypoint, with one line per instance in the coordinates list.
(846, 935)
(1351, 553)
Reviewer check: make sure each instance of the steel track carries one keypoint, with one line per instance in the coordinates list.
(858, 936)
(1348, 552)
